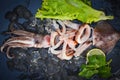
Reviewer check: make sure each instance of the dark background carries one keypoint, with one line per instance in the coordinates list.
(33, 5)
(8, 5)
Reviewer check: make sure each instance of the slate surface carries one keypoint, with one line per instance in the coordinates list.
(33, 5)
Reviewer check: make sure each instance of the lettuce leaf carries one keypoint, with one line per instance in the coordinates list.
(88, 2)
(70, 10)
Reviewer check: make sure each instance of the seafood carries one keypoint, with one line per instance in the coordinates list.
(67, 39)
(25, 39)
(105, 37)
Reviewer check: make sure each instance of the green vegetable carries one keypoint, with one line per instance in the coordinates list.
(88, 72)
(96, 64)
(70, 10)
(96, 57)
(88, 2)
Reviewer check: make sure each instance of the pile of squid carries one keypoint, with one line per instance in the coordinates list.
(67, 40)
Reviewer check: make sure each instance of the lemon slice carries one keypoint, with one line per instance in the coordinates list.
(95, 52)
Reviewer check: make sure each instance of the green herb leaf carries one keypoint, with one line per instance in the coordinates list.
(70, 10)
(87, 73)
(96, 58)
(104, 71)
(96, 64)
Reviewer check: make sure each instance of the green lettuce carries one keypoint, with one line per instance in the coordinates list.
(70, 10)
(88, 2)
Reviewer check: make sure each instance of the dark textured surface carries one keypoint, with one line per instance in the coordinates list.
(38, 64)
(5, 73)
